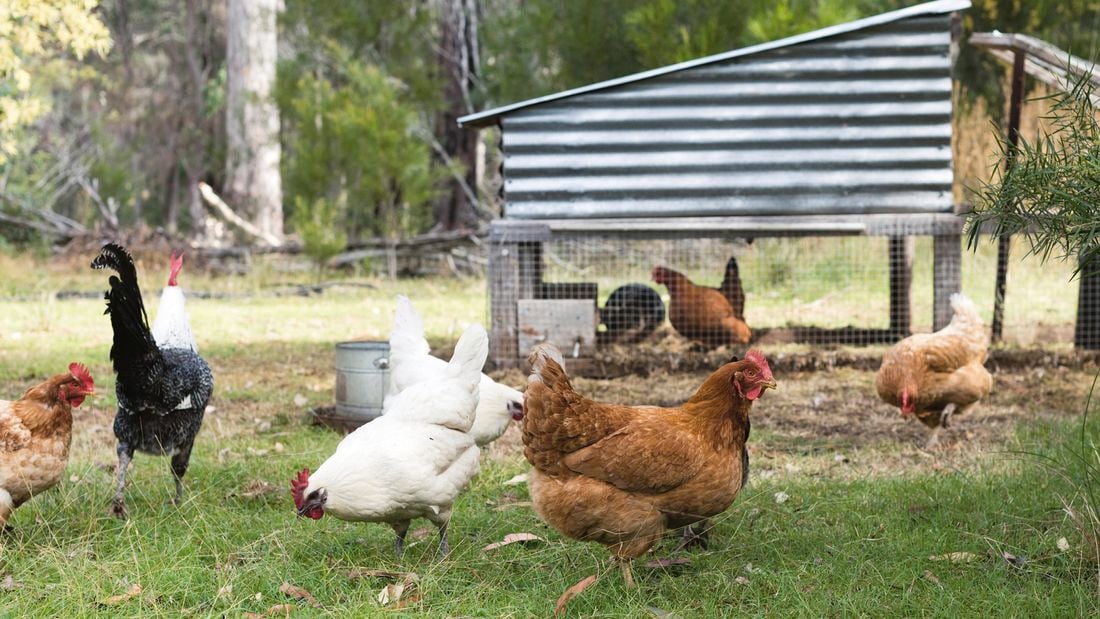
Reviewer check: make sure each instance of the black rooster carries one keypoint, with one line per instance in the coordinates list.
(162, 393)
(632, 312)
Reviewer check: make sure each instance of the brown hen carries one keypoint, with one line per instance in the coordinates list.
(35, 433)
(622, 475)
(704, 314)
(936, 375)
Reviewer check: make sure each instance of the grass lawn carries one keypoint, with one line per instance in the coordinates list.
(866, 517)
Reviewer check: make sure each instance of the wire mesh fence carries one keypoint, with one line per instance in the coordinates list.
(701, 294)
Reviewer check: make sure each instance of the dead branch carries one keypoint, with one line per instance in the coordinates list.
(222, 209)
(109, 209)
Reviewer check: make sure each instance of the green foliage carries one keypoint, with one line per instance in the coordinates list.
(317, 223)
(790, 17)
(1072, 25)
(1049, 192)
(350, 131)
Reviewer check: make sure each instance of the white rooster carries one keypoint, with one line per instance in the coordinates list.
(171, 328)
(411, 462)
(411, 362)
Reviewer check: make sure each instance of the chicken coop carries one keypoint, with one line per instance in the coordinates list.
(800, 190)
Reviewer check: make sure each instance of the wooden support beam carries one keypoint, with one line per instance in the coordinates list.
(515, 272)
(901, 279)
(946, 276)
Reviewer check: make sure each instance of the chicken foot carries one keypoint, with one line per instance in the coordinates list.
(697, 534)
(118, 504)
(628, 572)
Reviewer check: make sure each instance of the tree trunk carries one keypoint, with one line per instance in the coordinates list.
(458, 59)
(253, 185)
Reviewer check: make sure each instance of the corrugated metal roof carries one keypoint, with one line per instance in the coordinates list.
(857, 123)
(489, 117)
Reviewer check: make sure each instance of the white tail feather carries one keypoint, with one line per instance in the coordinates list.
(407, 336)
(470, 353)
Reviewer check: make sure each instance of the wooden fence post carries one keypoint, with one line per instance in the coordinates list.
(901, 279)
(946, 276)
(515, 271)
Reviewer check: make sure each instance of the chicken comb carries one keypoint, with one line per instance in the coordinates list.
(175, 268)
(81, 373)
(298, 486)
(757, 356)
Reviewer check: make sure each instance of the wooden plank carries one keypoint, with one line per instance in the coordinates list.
(1087, 332)
(946, 276)
(901, 278)
(569, 324)
(756, 226)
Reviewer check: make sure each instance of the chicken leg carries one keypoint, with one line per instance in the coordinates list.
(697, 534)
(180, 462)
(118, 505)
(400, 528)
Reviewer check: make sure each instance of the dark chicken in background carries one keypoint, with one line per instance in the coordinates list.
(162, 393)
(631, 313)
(732, 290)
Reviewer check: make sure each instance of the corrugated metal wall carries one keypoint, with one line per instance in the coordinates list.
(857, 123)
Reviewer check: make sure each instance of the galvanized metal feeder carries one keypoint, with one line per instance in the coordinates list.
(362, 377)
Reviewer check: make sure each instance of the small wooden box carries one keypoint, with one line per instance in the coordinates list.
(569, 324)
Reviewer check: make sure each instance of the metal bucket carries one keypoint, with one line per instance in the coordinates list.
(362, 377)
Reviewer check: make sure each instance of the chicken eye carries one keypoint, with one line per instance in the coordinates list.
(750, 373)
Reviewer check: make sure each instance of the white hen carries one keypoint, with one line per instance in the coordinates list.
(171, 328)
(411, 361)
(410, 463)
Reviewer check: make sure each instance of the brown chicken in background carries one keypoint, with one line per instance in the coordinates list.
(704, 314)
(622, 475)
(35, 433)
(937, 375)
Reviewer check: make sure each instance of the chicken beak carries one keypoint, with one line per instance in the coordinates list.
(769, 385)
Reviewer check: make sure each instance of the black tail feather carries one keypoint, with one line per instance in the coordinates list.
(732, 290)
(137, 360)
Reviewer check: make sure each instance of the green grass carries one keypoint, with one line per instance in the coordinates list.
(852, 544)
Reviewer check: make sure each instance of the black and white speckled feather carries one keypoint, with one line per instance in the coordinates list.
(162, 393)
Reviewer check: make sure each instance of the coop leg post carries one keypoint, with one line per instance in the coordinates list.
(1087, 333)
(901, 277)
(503, 286)
(946, 276)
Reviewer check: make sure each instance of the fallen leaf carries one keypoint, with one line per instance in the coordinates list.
(741, 580)
(572, 592)
(751, 569)
(1063, 544)
(10, 583)
(114, 600)
(513, 538)
(781, 497)
(300, 400)
(661, 613)
(298, 593)
(74, 478)
(1013, 560)
(517, 480)
(669, 562)
(394, 593)
(279, 448)
(932, 578)
(259, 453)
(225, 590)
(955, 557)
(507, 506)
